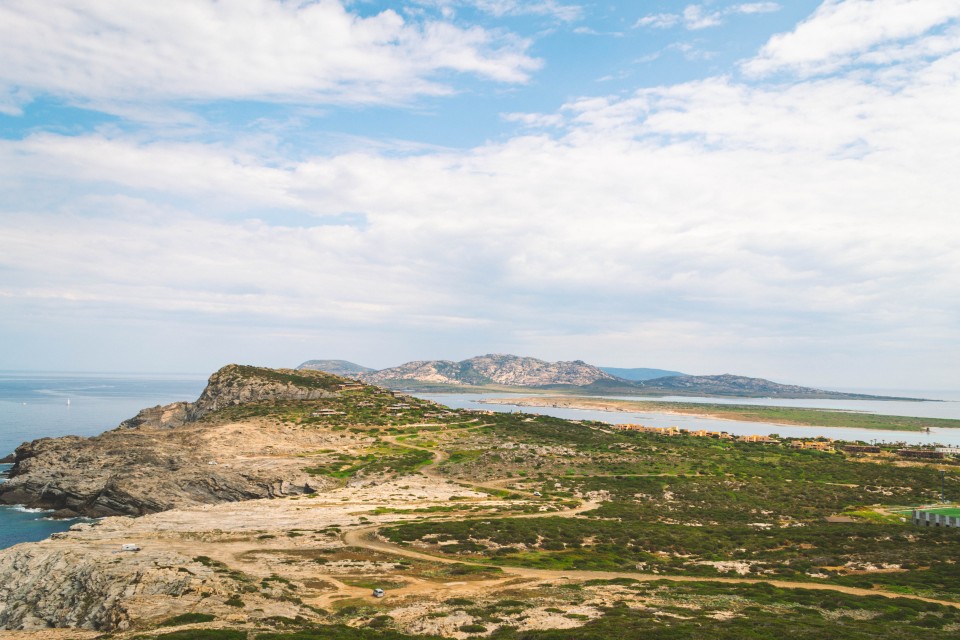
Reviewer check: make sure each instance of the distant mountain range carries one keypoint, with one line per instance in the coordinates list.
(504, 372)
(336, 367)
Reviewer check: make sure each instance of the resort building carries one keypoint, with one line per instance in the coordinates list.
(761, 439)
(816, 445)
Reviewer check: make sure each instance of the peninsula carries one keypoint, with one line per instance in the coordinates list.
(794, 416)
(274, 506)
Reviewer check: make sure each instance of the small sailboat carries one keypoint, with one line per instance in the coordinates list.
(68, 402)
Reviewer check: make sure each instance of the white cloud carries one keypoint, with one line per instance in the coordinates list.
(535, 120)
(116, 51)
(565, 12)
(658, 20)
(844, 31)
(695, 17)
(500, 8)
(754, 7)
(829, 203)
(698, 16)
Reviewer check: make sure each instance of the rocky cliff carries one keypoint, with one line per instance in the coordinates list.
(493, 369)
(177, 455)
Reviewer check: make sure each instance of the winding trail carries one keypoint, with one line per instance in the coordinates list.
(366, 538)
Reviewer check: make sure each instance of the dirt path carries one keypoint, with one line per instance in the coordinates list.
(366, 538)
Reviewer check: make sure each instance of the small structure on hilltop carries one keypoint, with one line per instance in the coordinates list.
(944, 517)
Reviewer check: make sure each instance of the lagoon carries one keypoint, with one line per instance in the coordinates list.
(946, 437)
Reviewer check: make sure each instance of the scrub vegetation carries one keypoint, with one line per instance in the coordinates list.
(574, 529)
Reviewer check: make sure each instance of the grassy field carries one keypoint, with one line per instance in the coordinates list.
(746, 413)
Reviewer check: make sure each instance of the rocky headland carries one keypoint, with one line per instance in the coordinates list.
(178, 455)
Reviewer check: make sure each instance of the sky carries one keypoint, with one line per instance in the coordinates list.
(761, 188)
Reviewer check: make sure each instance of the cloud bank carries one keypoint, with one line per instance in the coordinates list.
(109, 51)
(795, 229)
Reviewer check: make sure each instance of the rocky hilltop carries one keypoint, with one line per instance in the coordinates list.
(180, 454)
(498, 369)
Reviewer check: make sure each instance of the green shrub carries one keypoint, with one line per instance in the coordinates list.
(187, 618)
(472, 628)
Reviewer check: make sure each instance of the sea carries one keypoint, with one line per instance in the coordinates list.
(50, 404)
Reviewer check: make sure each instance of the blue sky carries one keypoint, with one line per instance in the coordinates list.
(764, 188)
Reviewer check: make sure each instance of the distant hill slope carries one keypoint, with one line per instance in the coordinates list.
(641, 373)
(742, 386)
(336, 367)
(576, 377)
(497, 369)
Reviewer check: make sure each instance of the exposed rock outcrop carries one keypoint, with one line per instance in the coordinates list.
(47, 585)
(235, 385)
(170, 456)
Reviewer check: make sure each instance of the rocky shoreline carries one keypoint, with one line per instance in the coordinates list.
(170, 456)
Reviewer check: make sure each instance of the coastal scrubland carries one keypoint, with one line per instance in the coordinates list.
(508, 526)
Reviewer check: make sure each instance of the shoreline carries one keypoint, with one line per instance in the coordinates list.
(735, 413)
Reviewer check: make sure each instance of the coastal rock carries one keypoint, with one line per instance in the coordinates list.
(235, 385)
(84, 579)
(47, 585)
(166, 416)
(172, 456)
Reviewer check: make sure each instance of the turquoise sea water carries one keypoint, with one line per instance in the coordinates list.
(35, 405)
